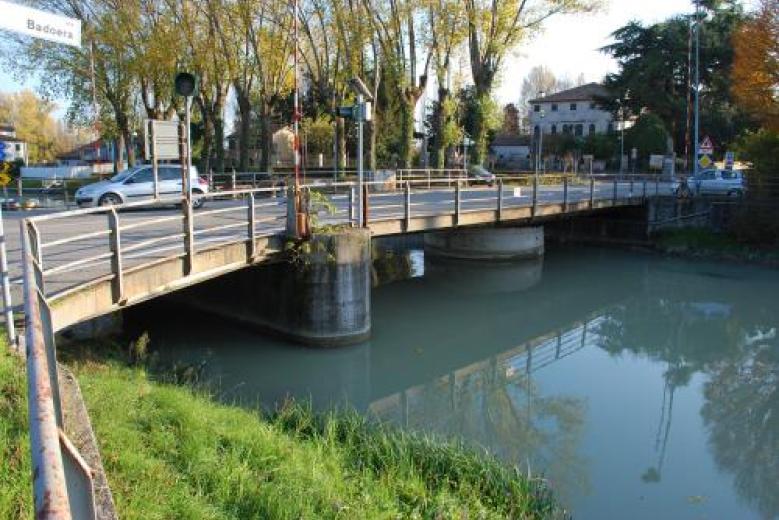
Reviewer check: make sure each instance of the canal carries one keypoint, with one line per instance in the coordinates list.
(639, 386)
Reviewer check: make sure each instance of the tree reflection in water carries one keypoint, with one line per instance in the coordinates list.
(496, 405)
(736, 348)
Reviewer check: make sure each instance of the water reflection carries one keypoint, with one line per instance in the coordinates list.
(639, 386)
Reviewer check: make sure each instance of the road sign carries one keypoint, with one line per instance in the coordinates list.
(5, 179)
(40, 24)
(705, 161)
(730, 160)
(2, 152)
(706, 147)
(166, 139)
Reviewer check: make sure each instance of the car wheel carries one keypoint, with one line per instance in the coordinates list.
(197, 202)
(109, 199)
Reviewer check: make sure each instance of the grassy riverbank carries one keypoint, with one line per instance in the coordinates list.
(707, 244)
(171, 452)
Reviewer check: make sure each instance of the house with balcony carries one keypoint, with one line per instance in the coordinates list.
(574, 111)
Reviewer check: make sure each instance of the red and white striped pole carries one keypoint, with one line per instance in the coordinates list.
(300, 215)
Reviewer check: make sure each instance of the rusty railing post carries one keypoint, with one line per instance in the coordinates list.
(407, 205)
(592, 192)
(365, 206)
(565, 194)
(251, 228)
(500, 199)
(115, 245)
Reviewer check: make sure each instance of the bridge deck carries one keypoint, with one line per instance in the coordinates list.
(85, 276)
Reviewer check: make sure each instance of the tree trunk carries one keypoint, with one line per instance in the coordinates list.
(266, 139)
(244, 128)
(208, 132)
(407, 133)
(219, 133)
(439, 123)
(370, 141)
(341, 143)
(480, 127)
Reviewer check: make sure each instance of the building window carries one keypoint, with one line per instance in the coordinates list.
(573, 106)
(554, 107)
(554, 129)
(579, 130)
(536, 130)
(566, 129)
(592, 128)
(611, 128)
(18, 147)
(537, 108)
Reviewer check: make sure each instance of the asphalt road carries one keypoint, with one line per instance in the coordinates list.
(221, 221)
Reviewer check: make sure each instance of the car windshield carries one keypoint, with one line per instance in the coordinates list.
(122, 175)
(729, 174)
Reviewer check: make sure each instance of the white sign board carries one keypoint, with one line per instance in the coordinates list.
(40, 24)
(166, 140)
(656, 162)
(706, 147)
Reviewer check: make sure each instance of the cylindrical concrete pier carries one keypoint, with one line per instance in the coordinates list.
(320, 295)
(501, 244)
(332, 286)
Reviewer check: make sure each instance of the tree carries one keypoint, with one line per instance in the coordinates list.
(755, 75)
(32, 119)
(648, 136)
(495, 27)
(655, 69)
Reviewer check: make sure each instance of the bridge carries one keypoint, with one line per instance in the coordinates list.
(90, 262)
(85, 263)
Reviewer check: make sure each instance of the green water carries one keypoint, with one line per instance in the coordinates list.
(641, 387)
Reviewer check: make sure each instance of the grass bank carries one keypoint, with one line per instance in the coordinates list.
(707, 244)
(172, 452)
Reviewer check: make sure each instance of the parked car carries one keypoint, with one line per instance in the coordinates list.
(480, 175)
(728, 183)
(137, 184)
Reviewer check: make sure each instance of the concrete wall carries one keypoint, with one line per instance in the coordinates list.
(487, 243)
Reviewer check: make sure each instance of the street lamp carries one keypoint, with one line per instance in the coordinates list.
(541, 115)
(622, 103)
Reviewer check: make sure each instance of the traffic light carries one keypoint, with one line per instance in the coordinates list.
(186, 84)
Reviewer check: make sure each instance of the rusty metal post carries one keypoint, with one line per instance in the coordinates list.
(49, 484)
(500, 199)
(186, 205)
(365, 206)
(457, 203)
(115, 244)
(407, 205)
(251, 231)
(535, 196)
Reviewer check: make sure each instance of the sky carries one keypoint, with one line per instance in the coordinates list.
(568, 45)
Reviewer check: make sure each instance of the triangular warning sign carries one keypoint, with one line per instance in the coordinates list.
(707, 147)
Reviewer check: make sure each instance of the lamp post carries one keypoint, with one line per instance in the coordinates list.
(540, 154)
(622, 102)
(697, 83)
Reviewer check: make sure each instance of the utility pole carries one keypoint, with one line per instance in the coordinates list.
(697, 83)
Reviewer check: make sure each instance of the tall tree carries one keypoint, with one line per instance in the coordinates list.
(755, 76)
(495, 27)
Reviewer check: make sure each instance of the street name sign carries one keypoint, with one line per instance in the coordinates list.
(40, 24)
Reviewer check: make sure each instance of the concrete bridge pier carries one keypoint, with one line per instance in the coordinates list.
(497, 244)
(318, 295)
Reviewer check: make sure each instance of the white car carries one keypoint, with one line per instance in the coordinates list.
(729, 183)
(137, 184)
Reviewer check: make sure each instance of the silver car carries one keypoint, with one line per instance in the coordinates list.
(718, 182)
(137, 184)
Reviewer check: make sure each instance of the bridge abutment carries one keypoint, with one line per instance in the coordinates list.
(498, 244)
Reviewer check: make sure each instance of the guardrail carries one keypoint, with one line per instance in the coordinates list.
(56, 260)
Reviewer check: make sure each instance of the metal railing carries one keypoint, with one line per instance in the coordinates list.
(72, 248)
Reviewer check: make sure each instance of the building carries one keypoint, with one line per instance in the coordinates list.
(282, 154)
(574, 111)
(98, 151)
(510, 151)
(11, 147)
